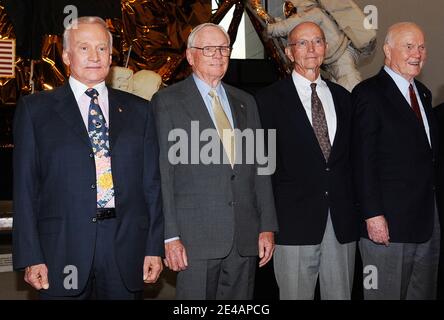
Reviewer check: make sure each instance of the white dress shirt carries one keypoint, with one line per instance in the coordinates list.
(83, 101)
(403, 86)
(303, 88)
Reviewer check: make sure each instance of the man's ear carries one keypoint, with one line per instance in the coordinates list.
(189, 57)
(65, 57)
(387, 52)
(289, 54)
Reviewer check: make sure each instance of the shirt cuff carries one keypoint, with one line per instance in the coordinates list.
(171, 239)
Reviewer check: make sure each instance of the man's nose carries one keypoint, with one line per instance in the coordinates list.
(93, 56)
(310, 46)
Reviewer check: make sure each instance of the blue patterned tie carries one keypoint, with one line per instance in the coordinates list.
(99, 136)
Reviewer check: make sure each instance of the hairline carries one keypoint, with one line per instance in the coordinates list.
(85, 20)
(197, 29)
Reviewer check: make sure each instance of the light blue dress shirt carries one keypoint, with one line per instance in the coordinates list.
(204, 89)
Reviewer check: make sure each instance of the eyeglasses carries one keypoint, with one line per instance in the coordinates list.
(303, 44)
(210, 51)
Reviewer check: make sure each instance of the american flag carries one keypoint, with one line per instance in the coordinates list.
(7, 58)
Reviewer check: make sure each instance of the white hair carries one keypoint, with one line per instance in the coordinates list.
(393, 29)
(85, 20)
(195, 31)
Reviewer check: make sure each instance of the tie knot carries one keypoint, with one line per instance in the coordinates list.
(313, 86)
(91, 92)
(212, 93)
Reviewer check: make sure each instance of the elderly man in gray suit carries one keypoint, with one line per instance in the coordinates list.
(219, 216)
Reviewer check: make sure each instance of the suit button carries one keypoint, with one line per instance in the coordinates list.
(231, 203)
(91, 155)
(327, 169)
(94, 219)
(326, 194)
(433, 160)
(433, 188)
(233, 177)
(93, 186)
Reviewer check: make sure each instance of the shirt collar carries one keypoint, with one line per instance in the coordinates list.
(204, 88)
(78, 88)
(400, 81)
(302, 82)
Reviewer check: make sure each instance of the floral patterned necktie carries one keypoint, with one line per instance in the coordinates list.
(99, 136)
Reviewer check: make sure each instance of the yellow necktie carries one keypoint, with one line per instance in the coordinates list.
(224, 129)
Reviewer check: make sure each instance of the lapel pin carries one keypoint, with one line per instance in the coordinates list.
(242, 106)
(120, 109)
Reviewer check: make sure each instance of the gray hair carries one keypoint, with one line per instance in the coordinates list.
(196, 30)
(393, 29)
(85, 20)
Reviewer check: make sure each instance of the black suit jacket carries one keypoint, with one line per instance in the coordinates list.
(54, 193)
(305, 186)
(395, 164)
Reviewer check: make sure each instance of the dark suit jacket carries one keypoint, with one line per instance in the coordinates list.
(54, 193)
(210, 206)
(395, 165)
(305, 186)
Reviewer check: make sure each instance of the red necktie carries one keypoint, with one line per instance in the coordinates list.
(414, 103)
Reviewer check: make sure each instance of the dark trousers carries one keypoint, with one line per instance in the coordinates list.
(104, 281)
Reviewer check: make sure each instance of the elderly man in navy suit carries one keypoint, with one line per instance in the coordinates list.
(396, 144)
(87, 212)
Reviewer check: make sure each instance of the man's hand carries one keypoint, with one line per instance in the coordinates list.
(266, 247)
(377, 229)
(37, 276)
(152, 267)
(176, 256)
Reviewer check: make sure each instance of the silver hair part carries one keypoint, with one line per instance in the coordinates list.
(85, 20)
(196, 30)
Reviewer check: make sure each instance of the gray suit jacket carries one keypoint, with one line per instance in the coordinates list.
(211, 207)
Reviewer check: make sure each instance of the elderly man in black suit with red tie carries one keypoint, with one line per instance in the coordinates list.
(395, 148)
(312, 183)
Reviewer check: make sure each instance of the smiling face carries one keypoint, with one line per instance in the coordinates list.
(209, 69)
(307, 59)
(88, 54)
(405, 51)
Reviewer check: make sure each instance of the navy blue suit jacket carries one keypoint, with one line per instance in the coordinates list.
(54, 192)
(394, 164)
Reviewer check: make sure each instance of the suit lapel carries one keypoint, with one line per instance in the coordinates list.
(396, 98)
(237, 110)
(295, 111)
(340, 119)
(118, 114)
(427, 104)
(69, 111)
(194, 104)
